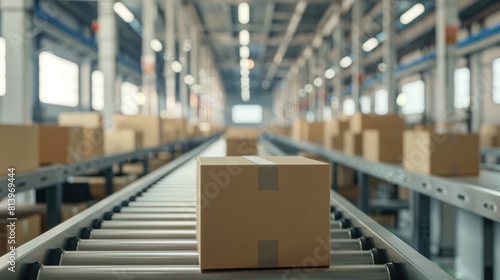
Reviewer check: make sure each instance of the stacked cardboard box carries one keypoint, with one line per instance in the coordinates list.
(122, 141)
(334, 133)
(241, 141)
(97, 184)
(173, 129)
(149, 126)
(298, 130)
(92, 143)
(314, 132)
(345, 175)
(432, 153)
(62, 144)
(19, 148)
(384, 145)
(28, 226)
(290, 224)
(490, 135)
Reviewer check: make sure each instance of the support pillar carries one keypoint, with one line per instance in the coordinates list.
(107, 39)
(337, 56)
(389, 53)
(357, 52)
(183, 58)
(86, 84)
(477, 100)
(148, 58)
(170, 55)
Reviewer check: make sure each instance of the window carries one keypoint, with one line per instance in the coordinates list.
(247, 114)
(97, 90)
(496, 81)
(381, 102)
(58, 80)
(3, 88)
(415, 93)
(462, 88)
(365, 102)
(128, 101)
(349, 107)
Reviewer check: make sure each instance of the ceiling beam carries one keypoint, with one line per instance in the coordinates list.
(223, 38)
(266, 30)
(236, 2)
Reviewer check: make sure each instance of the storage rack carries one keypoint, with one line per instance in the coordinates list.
(110, 245)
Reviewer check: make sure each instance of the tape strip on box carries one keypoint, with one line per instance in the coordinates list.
(268, 173)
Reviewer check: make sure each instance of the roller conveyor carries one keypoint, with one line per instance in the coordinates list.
(146, 231)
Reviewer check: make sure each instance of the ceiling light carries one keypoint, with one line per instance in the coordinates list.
(244, 63)
(382, 67)
(243, 13)
(245, 80)
(244, 37)
(244, 72)
(301, 92)
(123, 12)
(402, 99)
(266, 85)
(140, 98)
(176, 66)
(346, 62)
(156, 45)
(245, 86)
(309, 88)
(188, 79)
(251, 64)
(244, 52)
(329, 73)
(318, 82)
(187, 45)
(370, 44)
(245, 95)
(412, 13)
(277, 59)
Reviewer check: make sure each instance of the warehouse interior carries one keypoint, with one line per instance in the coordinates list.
(186, 139)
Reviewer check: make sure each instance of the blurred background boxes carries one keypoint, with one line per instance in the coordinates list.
(353, 143)
(27, 227)
(360, 122)
(241, 141)
(19, 148)
(97, 184)
(490, 135)
(60, 144)
(314, 132)
(149, 126)
(384, 145)
(123, 140)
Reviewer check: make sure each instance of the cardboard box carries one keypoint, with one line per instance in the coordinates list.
(64, 144)
(242, 133)
(276, 210)
(241, 147)
(335, 142)
(298, 130)
(97, 184)
(27, 227)
(345, 175)
(490, 135)
(441, 154)
(83, 119)
(173, 130)
(122, 141)
(353, 143)
(360, 122)
(334, 130)
(19, 148)
(314, 132)
(383, 145)
(149, 126)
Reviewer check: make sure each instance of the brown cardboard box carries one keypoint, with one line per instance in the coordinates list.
(27, 227)
(19, 148)
(490, 135)
(241, 147)
(122, 141)
(61, 144)
(298, 130)
(404, 193)
(334, 130)
(353, 143)
(276, 212)
(455, 127)
(83, 119)
(383, 145)
(97, 184)
(441, 154)
(173, 129)
(345, 175)
(314, 132)
(242, 133)
(148, 125)
(92, 144)
(360, 122)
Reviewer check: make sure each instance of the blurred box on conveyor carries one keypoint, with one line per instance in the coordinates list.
(149, 126)
(265, 212)
(298, 130)
(490, 135)
(68, 144)
(83, 119)
(353, 143)
(360, 122)
(384, 145)
(241, 141)
(27, 227)
(92, 123)
(280, 130)
(97, 184)
(334, 133)
(314, 132)
(441, 154)
(173, 129)
(122, 141)
(19, 148)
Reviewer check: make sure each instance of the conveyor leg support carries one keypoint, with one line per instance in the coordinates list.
(335, 185)
(54, 203)
(364, 192)
(145, 164)
(421, 223)
(108, 172)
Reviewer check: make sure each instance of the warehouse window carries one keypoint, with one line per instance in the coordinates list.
(381, 102)
(462, 88)
(128, 99)
(496, 81)
(58, 80)
(247, 114)
(97, 90)
(3, 88)
(365, 102)
(349, 107)
(415, 94)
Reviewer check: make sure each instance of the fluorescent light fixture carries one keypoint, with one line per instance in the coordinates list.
(309, 88)
(140, 98)
(188, 79)
(123, 12)
(346, 62)
(244, 52)
(244, 37)
(329, 74)
(412, 13)
(244, 63)
(301, 92)
(318, 82)
(402, 99)
(243, 13)
(277, 59)
(245, 86)
(245, 95)
(245, 80)
(370, 44)
(176, 66)
(244, 72)
(156, 45)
